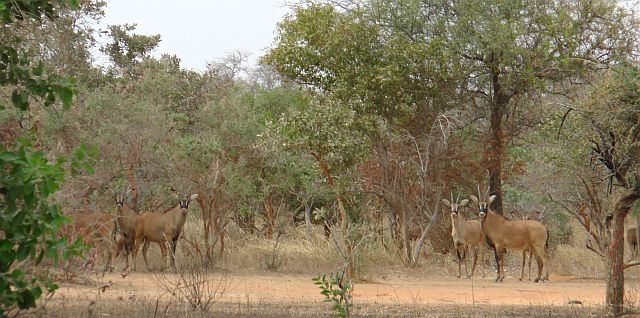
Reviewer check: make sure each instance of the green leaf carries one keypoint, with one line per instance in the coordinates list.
(20, 99)
(66, 96)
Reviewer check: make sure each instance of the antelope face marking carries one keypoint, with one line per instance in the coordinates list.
(455, 209)
(455, 206)
(184, 206)
(482, 206)
(119, 202)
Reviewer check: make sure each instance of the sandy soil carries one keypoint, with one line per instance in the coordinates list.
(299, 289)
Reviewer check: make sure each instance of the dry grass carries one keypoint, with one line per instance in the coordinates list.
(297, 253)
(161, 307)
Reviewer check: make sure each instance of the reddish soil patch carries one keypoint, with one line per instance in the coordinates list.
(270, 288)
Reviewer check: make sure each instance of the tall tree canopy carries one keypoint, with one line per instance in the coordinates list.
(405, 59)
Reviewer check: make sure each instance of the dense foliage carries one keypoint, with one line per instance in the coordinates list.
(370, 111)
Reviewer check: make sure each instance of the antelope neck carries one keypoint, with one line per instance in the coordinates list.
(457, 221)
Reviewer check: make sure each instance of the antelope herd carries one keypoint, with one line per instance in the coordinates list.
(470, 237)
(126, 231)
(494, 231)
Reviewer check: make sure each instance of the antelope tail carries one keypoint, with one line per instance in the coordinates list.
(546, 243)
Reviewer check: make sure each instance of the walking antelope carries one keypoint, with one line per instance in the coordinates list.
(502, 234)
(163, 229)
(467, 236)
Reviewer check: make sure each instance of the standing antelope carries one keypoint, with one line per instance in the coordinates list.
(126, 219)
(96, 228)
(502, 234)
(526, 216)
(467, 236)
(163, 229)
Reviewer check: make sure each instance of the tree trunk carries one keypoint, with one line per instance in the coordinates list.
(423, 237)
(404, 233)
(499, 104)
(615, 277)
(307, 221)
(324, 168)
(268, 207)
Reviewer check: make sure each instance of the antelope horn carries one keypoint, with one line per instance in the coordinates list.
(487, 193)
(451, 196)
(457, 197)
(479, 195)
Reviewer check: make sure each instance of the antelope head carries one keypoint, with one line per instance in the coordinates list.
(121, 196)
(184, 204)
(455, 205)
(483, 202)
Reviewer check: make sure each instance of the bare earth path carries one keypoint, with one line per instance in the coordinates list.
(270, 288)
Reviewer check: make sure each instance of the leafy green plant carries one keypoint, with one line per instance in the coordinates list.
(336, 289)
(29, 223)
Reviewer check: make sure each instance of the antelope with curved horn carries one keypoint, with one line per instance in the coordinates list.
(502, 233)
(467, 236)
(163, 229)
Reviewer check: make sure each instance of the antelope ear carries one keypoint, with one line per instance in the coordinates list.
(464, 202)
(491, 198)
(446, 202)
(193, 197)
(474, 198)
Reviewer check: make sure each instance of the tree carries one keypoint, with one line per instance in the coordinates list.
(29, 221)
(352, 61)
(607, 184)
(126, 49)
(329, 133)
(412, 57)
(612, 110)
(518, 49)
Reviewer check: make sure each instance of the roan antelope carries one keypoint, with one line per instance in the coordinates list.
(126, 219)
(467, 236)
(96, 228)
(526, 216)
(163, 229)
(632, 240)
(502, 233)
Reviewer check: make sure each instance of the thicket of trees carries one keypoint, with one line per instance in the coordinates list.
(364, 114)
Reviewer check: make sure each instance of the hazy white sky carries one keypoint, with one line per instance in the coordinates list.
(201, 31)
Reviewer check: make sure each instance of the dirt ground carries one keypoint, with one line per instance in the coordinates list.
(274, 289)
